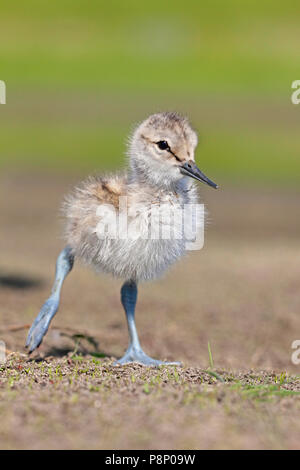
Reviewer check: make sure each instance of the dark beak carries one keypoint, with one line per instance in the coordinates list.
(190, 169)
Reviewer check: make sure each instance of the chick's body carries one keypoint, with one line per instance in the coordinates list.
(133, 226)
(125, 228)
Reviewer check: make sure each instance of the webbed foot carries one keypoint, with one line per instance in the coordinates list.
(41, 324)
(137, 355)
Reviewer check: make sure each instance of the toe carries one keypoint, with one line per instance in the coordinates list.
(141, 358)
(41, 324)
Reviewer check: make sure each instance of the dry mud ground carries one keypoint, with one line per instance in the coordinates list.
(241, 293)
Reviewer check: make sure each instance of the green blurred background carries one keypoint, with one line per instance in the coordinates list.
(80, 74)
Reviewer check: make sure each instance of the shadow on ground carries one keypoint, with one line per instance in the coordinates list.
(17, 281)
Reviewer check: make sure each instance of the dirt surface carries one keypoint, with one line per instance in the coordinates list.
(87, 403)
(240, 294)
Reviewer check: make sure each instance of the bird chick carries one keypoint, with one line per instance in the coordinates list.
(116, 223)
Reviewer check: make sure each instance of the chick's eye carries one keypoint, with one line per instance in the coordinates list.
(162, 144)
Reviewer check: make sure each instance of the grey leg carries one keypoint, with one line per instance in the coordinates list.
(41, 324)
(134, 352)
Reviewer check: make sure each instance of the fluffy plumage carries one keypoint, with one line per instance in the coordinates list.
(153, 182)
(131, 225)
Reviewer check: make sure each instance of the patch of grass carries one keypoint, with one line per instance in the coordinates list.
(210, 47)
(72, 97)
(265, 392)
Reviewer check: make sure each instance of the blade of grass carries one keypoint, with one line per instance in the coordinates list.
(211, 361)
